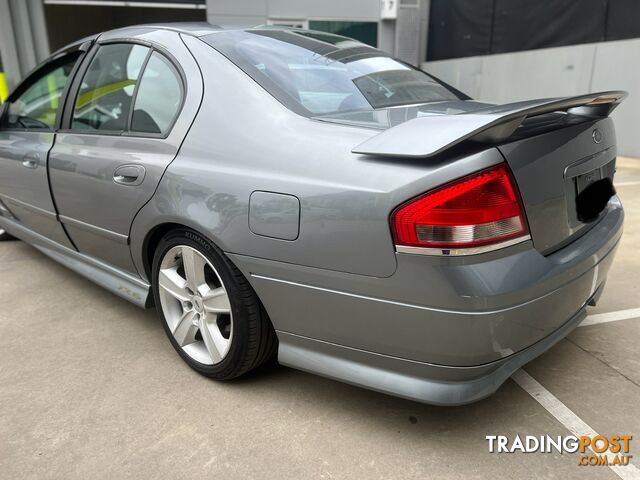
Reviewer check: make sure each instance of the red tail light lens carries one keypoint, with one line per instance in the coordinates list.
(480, 209)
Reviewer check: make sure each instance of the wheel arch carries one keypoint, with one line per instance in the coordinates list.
(153, 237)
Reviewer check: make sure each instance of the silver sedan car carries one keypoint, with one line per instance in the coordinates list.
(286, 192)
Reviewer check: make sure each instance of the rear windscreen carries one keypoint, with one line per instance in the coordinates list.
(315, 73)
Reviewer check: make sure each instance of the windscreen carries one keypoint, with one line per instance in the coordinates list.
(315, 73)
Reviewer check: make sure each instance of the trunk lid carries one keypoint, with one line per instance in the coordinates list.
(552, 168)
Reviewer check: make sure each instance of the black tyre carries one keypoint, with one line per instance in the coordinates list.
(210, 313)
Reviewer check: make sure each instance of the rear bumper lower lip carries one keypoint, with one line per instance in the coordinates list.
(397, 376)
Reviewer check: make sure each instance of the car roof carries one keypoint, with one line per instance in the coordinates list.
(195, 29)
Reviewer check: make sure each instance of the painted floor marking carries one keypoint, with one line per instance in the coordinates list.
(631, 163)
(610, 317)
(627, 184)
(570, 420)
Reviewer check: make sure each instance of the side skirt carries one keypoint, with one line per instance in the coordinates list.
(113, 279)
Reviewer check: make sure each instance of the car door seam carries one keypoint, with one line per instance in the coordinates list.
(186, 134)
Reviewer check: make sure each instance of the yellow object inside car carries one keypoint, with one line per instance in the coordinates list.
(86, 98)
(4, 89)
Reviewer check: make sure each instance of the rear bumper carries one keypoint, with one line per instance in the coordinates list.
(422, 382)
(440, 330)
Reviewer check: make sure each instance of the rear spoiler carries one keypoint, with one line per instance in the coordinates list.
(424, 137)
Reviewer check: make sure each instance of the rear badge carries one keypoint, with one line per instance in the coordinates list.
(597, 135)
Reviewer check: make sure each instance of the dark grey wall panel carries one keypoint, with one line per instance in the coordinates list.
(459, 28)
(465, 28)
(529, 24)
(623, 19)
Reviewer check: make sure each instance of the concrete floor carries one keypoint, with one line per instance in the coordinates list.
(91, 388)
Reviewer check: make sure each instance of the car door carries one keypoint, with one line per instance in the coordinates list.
(127, 114)
(27, 133)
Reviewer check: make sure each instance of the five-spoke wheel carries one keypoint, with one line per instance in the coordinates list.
(210, 312)
(196, 305)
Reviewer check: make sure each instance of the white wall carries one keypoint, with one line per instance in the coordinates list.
(555, 72)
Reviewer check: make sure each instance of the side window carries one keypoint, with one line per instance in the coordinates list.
(36, 108)
(159, 96)
(105, 97)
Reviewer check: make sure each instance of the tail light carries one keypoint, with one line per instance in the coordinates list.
(476, 213)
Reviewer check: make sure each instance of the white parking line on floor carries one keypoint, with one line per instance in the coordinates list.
(610, 317)
(566, 417)
(626, 184)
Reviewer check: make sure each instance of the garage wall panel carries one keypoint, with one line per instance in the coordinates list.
(326, 9)
(459, 28)
(237, 8)
(527, 24)
(464, 28)
(554, 72)
(537, 74)
(623, 19)
(617, 68)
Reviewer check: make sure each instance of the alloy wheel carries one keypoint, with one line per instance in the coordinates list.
(195, 305)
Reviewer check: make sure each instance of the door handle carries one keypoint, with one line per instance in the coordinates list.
(31, 160)
(130, 175)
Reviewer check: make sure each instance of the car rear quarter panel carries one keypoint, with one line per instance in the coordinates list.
(243, 140)
(464, 311)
